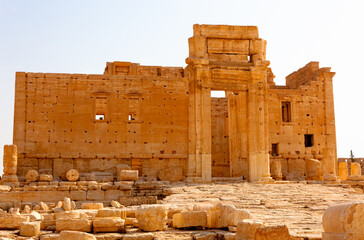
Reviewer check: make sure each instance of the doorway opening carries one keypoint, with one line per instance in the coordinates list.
(220, 164)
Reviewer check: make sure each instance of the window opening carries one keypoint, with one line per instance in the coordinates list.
(308, 140)
(274, 149)
(286, 111)
(99, 117)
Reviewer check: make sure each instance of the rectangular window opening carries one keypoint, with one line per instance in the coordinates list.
(286, 111)
(99, 117)
(131, 117)
(274, 149)
(308, 140)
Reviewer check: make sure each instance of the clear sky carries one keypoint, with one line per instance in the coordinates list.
(80, 36)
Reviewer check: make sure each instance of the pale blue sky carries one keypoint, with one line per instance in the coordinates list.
(74, 36)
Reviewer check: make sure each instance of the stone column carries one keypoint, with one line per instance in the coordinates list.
(10, 163)
(355, 169)
(343, 171)
(258, 134)
(329, 153)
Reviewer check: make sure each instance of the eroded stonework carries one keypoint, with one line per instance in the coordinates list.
(155, 119)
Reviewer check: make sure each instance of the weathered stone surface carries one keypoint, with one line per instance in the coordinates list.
(138, 236)
(173, 174)
(152, 217)
(5, 188)
(343, 171)
(128, 175)
(32, 176)
(91, 205)
(247, 228)
(344, 221)
(12, 221)
(121, 167)
(108, 224)
(313, 169)
(75, 235)
(190, 219)
(67, 204)
(72, 175)
(272, 233)
(30, 229)
(82, 225)
(46, 178)
(237, 216)
(116, 204)
(10, 160)
(218, 216)
(111, 212)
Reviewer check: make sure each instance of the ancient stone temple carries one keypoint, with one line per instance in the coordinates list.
(164, 121)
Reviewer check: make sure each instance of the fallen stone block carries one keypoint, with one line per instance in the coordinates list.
(116, 204)
(152, 217)
(46, 178)
(113, 224)
(272, 233)
(237, 216)
(67, 215)
(138, 236)
(121, 167)
(5, 188)
(74, 235)
(190, 219)
(128, 201)
(128, 175)
(112, 212)
(96, 206)
(344, 221)
(32, 176)
(72, 175)
(204, 236)
(51, 236)
(29, 229)
(218, 216)
(246, 229)
(12, 221)
(82, 225)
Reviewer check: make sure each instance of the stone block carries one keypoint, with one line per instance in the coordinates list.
(51, 236)
(108, 224)
(75, 235)
(72, 175)
(237, 216)
(112, 212)
(30, 229)
(127, 201)
(355, 169)
(32, 176)
(173, 174)
(128, 175)
(82, 225)
(152, 217)
(12, 221)
(218, 216)
(272, 233)
(190, 219)
(46, 178)
(78, 195)
(67, 215)
(138, 236)
(95, 206)
(95, 195)
(246, 229)
(276, 169)
(121, 167)
(313, 169)
(344, 221)
(343, 171)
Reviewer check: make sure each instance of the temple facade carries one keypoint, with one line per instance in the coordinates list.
(158, 119)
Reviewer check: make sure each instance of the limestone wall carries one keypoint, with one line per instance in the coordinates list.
(94, 122)
(309, 94)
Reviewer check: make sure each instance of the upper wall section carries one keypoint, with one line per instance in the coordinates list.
(305, 75)
(128, 68)
(229, 45)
